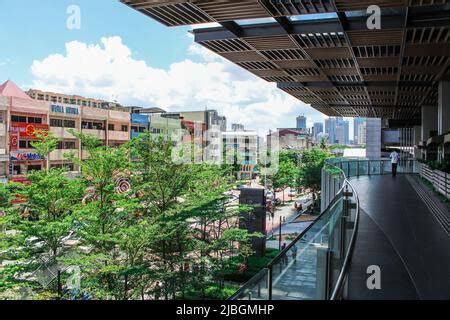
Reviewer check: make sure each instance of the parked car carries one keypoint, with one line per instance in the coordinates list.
(292, 193)
(270, 195)
(277, 201)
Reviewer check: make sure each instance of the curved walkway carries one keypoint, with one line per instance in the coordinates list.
(398, 233)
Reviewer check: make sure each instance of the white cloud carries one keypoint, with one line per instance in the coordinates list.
(109, 70)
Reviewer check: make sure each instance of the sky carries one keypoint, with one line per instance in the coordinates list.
(120, 54)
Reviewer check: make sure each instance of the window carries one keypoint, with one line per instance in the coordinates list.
(34, 168)
(34, 120)
(25, 144)
(56, 123)
(111, 127)
(134, 129)
(69, 124)
(66, 145)
(124, 128)
(18, 119)
(17, 170)
(98, 125)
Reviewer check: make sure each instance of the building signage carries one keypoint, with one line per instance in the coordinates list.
(56, 108)
(28, 130)
(18, 156)
(14, 141)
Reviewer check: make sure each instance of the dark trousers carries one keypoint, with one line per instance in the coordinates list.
(394, 169)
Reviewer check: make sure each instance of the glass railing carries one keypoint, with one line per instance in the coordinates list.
(314, 266)
(310, 267)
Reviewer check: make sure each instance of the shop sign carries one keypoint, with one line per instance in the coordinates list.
(56, 108)
(28, 130)
(17, 156)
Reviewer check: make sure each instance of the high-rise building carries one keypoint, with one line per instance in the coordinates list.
(337, 130)
(357, 123)
(237, 127)
(301, 123)
(318, 129)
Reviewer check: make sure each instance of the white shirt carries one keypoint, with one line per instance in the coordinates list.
(394, 157)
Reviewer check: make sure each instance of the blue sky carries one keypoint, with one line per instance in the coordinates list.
(120, 53)
(38, 29)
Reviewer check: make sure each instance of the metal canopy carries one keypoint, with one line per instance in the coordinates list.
(321, 51)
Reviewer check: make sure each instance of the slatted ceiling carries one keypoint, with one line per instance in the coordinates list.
(341, 71)
(297, 7)
(279, 79)
(222, 10)
(425, 61)
(418, 77)
(269, 73)
(303, 72)
(377, 62)
(310, 78)
(352, 5)
(289, 54)
(321, 40)
(428, 35)
(421, 70)
(171, 14)
(229, 45)
(262, 65)
(329, 53)
(335, 63)
(271, 43)
(423, 50)
(346, 79)
(349, 61)
(293, 64)
(375, 37)
(245, 56)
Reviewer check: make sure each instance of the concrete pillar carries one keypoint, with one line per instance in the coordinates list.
(429, 121)
(444, 107)
(373, 138)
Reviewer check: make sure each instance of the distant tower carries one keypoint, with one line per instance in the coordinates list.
(301, 123)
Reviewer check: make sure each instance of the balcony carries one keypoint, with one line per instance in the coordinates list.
(99, 134)
(62, 133)
(369, 219)
(60, 155)
(118, 135)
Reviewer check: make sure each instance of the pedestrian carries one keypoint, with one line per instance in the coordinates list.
(394, 161)
(284, 259)
(294, 254)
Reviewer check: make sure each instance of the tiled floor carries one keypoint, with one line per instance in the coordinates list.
(399, 234)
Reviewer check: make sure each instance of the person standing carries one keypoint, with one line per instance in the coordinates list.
(394, 161)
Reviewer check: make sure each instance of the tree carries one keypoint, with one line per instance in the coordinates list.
(45, 144)
(310, 173)
(287, 171)
(40, 227)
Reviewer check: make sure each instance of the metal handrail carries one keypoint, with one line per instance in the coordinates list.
(344, 270)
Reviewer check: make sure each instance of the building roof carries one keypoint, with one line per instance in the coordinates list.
(322, 52)
(10, 89)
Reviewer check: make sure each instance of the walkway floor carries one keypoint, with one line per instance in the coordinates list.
(399, 233)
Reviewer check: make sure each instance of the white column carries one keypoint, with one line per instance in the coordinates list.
(444, 107)
(373, 138)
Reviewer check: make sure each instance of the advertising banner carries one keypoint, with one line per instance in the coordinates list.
(28, 130)
(14, 141)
